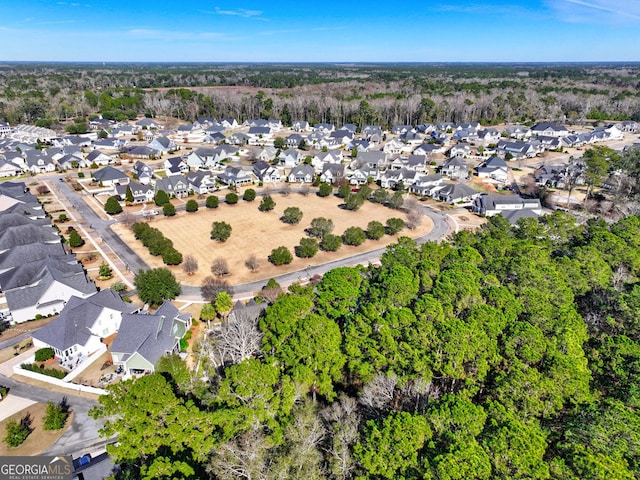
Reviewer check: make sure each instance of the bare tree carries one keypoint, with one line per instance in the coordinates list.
(190, 264)
(220, 267)
(285, 189)
(343, 420)
(379, 393)
(238, 337)
(304, 190)
(414, 219)
(252, 263)
(243, 457)
(212, 286)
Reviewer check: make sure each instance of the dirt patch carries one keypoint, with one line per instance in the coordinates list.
(258, 233)
(39, 439)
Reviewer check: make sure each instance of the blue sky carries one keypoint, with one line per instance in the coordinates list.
(320, 31)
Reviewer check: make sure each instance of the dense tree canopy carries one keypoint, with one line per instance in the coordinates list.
(156, 285)
(513, 352)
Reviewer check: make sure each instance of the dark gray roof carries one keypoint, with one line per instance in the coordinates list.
(26, 234)
(13, 219)
(30, 272)
(251, 310)
(108, 173)
(34, 251)
(514, 215)
(30, 295)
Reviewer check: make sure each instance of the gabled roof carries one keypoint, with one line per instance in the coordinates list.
(26, 234)
(108, 173)
(456, 190)
(30, 272)
(33, 251)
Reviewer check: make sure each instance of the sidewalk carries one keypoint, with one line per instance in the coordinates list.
(13, 404)
(6, 368)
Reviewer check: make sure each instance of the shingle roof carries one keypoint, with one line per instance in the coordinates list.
(26, 234)
(34, 251)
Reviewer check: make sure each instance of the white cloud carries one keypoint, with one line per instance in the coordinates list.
(237, 12)
(597, 11)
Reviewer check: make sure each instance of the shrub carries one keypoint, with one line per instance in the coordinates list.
(44, 354)
(249, 195)
(280, 256)
(105, 271)
(344, 190)
(320, 227)
(353, 201)
(212, 201)
(112, 206)
(292, 215)
(80, 174)
(308, 248)
(394, 225)
(220, 231)
(50, 372)
(379, 196)
(375, 230)
(75, 240)
(17, 432)
(231, 198)
(161, 198)
(55, 417)
(168, 210)
(325, 190)
(330, 243)
(354, 236)
(119, 287)
(192, 206)
(171, 256)
(267, 204)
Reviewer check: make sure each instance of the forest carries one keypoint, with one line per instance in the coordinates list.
(51, 95)
(512, 352)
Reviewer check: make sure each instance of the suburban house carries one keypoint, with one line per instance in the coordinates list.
(175, 166)
(201, 182)
(455, 168)
(455, 193)
(427, 149)
(143, 172)
(143, 339)
(290, 157)
(517, 149)
(300, 126)
(392, 178)
(494, 169)
(235, 176)
(549, 130)
(109, 176)
(38, 161)
(460, 150)
(98, 158)
(174, 186)
(148, 124)
(424, 184)
(260, 135)
(332, 173)
(142, 193)
(9, 169)
(142, 151)
(293, 140)
(266, 172)
(266, 154)
(302, 174)
(82, 325)
(163, 144)
(512, 207)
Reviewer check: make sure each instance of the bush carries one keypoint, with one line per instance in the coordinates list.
(75, 240)
(49, 372)
(320, 227)
(249, 195)
(330, 243)
(220, 231)
(112, 206)
(119, 287)
(192, 206)
(55, 417)
(344, 190)
(156, 285)
(267, 204)
(394, 225)
(353, 201)
(379, 196)
(280, 256)
(292, 215)
(308, 248)
(80, 174)
(212, 286)
(354, 236)
(325, 190)
(105, 271)
(171, 256)
(168, 210)
(375, 230)
(231, 198)
(44, 354)
(17, 432)
(212, 201)
(161, 198)
(3, 392)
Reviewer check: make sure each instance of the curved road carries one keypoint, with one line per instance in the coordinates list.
(132, 262)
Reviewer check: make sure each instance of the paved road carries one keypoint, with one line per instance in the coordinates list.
(83, 431)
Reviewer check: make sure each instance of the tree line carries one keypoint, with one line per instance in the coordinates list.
(512, 352)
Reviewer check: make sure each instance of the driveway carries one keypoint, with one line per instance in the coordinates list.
(13, 404)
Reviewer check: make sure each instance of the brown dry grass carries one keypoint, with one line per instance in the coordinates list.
(258, 233)
(39, 439)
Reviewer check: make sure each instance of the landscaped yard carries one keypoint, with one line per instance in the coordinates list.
(258, 233)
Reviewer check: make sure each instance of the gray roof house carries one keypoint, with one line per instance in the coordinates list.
(301, 174)
(15, 256)
(235, 176)
(266, 172)
(455, 168)
(143, 339)
(507, 206)
(494, 169)
(26, 234)
(332, 173)
(456, 193)
(141, 193)
(175, 185)
(110, 176)
(175, 166)
(82, 324)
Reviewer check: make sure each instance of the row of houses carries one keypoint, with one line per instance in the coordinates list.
(37, 275)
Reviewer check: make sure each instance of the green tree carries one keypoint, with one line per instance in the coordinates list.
(353, 201)
(220, 231)
(338, 292)
(17, 432)
(394, 225)
(390, 448)
(267, 204)
(75, 240)
(223, 303)
(344, 190)
(324, 190)
(208, 312)
(160, 435)
(55, 416)
(249, 195)
(105, 271)
(231, 198)
(168, 210)
(161, 198)
(156, 285)
(278, 142)
(597, 161)
(320, 227)
(354, 236)
(292, 215)
(128, 196)
(395, 201)
(380, 196)
(375, 230)
(191, 206)
(112, 206)
(308, 248)
(330, 242)
(280, 256)
(212, 201)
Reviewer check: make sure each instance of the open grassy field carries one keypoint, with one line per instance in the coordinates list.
(256, 232)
